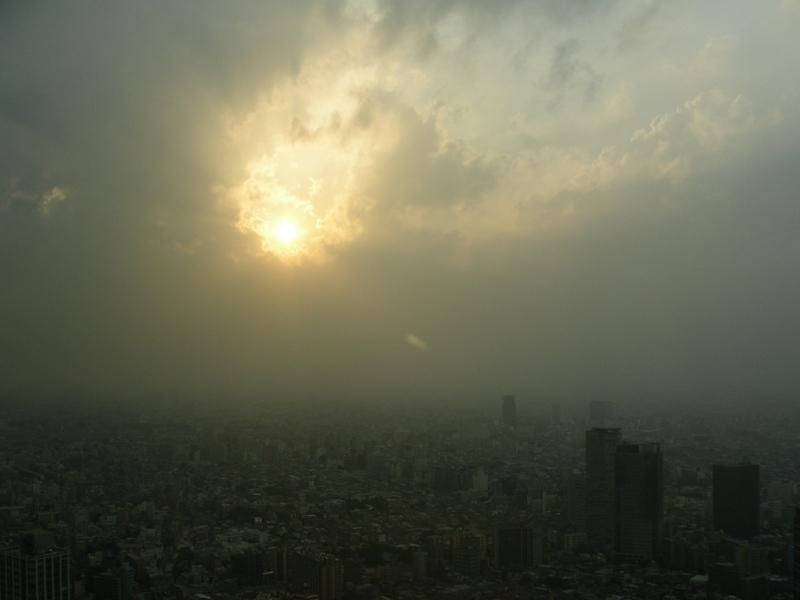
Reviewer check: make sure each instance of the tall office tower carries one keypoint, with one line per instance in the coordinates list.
(601, 447)
(639, 481)
(509, 414)
(37, 570)
(735, 500)
(316, 573)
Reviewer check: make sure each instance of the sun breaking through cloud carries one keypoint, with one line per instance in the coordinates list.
(569, 197)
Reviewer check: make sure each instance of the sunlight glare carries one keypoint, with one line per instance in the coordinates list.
(287, 232)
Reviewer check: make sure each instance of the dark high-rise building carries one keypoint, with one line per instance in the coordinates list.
(599, 515)
(509, 414)
(736, 500)
(639, 484)
(576, 502)
(116, 584)
(516, 548)
(316, 573)
(37, 570)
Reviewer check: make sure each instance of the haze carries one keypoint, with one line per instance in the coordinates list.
(407, 199)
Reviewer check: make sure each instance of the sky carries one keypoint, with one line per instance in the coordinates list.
(386, 200)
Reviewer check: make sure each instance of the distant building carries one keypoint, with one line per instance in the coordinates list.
(735, 500)
(599, 515)
(117, 584)
(726, 578)
(316, 573)
(571, 541)
(434, 547)
(480, 482)
(517, 548)
(420, 563)
(576, 502)
(509, 411)
(255, 565)
(37, 570)
(639, 485)
(467, 559)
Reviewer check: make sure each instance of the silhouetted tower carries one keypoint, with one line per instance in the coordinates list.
(509, 414)
(639, 482)
(601, 448)
(736, 500)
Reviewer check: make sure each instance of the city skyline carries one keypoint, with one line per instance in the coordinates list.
(386, 200)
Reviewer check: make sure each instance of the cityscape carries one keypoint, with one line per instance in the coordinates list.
(399, 300)
(494, 500)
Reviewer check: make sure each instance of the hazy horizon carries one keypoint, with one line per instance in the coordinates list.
(401, 199)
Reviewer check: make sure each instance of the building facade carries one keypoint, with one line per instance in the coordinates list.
(639, 492)
(599, 514)
(316, 573)
(36, 570)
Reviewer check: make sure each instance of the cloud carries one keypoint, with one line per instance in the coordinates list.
(422, 168)
(566, 71)
(643, 22)
(619, 106)
(451, 168)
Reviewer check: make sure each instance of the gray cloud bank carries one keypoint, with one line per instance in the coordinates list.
(623, 243)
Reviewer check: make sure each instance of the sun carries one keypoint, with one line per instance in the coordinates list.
(287, 232)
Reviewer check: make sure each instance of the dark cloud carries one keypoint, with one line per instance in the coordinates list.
(635, 30)
(567, 71)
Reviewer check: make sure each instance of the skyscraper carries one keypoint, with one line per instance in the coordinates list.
(735, 500)
(601, 447)
(37, 570)
(509, 414)
(639, 485)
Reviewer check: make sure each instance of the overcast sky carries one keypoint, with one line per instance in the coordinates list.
(401, 199)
